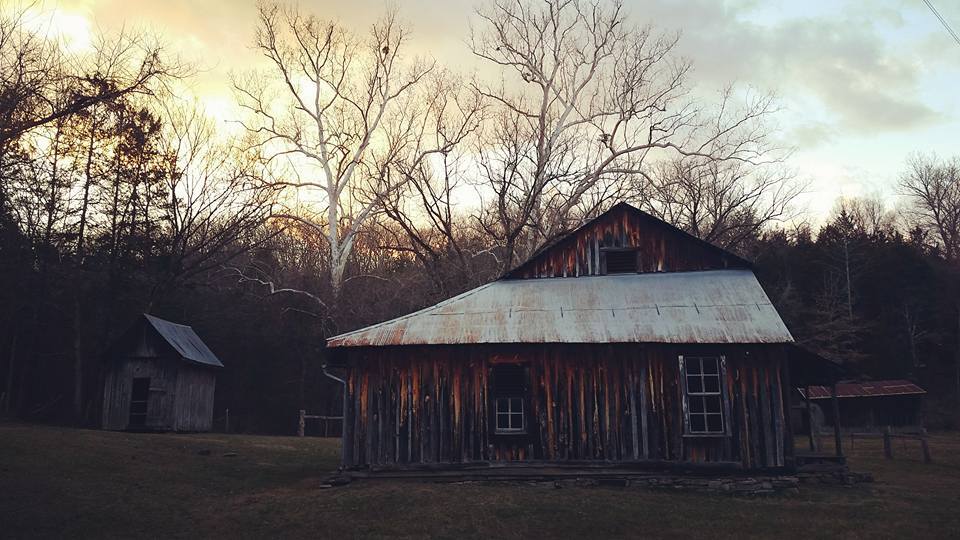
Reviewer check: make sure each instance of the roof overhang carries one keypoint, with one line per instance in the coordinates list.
(184, 341)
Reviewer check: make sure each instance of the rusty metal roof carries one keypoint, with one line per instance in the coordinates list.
(185, 341)
(715, 306)
(867, 389)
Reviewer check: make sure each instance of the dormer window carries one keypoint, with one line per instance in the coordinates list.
(619, 261)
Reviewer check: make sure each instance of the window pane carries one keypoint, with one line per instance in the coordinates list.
(516, 405)
(696, 404)
(697, 424)
(516, 421)
(711, 383)
(712, 404)
(503, 421)
(715, 423)
(693, 366)
(694, 384)
(502, 405)
(710, 365)
(509, 379)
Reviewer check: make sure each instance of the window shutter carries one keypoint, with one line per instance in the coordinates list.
(724, 395)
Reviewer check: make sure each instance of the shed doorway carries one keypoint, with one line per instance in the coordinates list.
(139, 398)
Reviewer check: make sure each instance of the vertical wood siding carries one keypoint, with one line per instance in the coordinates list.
(418, 405)
(661, 249)
(118, 389)
(194, 398)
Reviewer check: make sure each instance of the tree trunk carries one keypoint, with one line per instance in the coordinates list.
(77, 360)
(956, 374)
(11, 371)
(88, 180)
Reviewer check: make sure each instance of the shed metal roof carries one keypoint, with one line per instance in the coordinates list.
(716, 306)
(185, 341)
(867, 389)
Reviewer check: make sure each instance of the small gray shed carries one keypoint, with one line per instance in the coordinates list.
(160, 377)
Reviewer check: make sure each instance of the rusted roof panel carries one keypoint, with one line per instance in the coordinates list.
(185, 341)
(867, 389)
(715, 306)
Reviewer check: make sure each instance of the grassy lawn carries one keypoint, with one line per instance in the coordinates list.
(59, 482)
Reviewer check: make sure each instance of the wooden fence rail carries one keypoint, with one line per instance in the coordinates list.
(302, 422)
(888, 437)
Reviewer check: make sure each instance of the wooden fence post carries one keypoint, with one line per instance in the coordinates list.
(836, 421)
(887, 443)
(301, 423)
(810, 421)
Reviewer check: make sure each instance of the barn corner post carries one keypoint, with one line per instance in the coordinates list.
(786, 389)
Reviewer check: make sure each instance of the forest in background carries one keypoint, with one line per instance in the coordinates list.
(364, 183)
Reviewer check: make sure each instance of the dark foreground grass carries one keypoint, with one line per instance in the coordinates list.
(57, 482)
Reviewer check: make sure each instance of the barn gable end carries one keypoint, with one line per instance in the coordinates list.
(627, 232)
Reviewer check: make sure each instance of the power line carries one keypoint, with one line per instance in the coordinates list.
(943, 21)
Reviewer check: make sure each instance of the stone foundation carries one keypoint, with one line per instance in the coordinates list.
(747, 486)
(743, 485)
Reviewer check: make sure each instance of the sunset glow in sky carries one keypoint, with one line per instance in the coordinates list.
(865, 83)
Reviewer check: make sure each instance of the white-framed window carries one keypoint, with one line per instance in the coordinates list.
(508, 389)
(703, 399)
(510, 415)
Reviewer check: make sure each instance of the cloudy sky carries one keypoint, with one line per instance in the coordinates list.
(864, 83)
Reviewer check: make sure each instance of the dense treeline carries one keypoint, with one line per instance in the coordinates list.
(869, 291)
(366, 183)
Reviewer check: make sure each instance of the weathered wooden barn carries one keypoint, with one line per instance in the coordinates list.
(627, 341)
(160, 377)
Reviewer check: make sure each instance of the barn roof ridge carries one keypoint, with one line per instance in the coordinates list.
(630, 208)
(184, 340)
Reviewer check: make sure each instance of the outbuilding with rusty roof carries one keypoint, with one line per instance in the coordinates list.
(869, 405)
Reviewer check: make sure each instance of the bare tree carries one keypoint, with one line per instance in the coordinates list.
(219, 196)
(868, 214)
(723, 202)
(587, 102)
(41, 83)
(340, 121)
(429, 223)
(931, 187)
